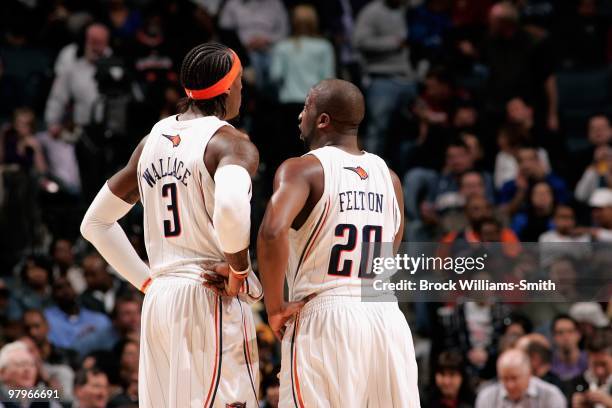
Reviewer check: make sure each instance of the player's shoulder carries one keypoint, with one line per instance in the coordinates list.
(303, 167)
(231, 144)
(228, 136)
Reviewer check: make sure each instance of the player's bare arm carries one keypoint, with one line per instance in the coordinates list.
(232, 159)
(297, 187)
(100, 227)
(399, 195)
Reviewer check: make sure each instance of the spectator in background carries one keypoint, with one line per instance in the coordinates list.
(17, 368)
(561, 237)
(129, 394)
(126, 324)
(428, 195)
(127, 353)
(514, 194)
(124, 22)
(451, 387)
(473, 329)
(102, 287)
(459, 160)
(381, 35)
(590, 318)
(75, 81)
(62, 255)
(597, 175)
(37, 328)
(429, 24)
(434, 108)
(298, 63)
(18, 372)
(510, 138)
(259, 24)
(21, 164)
(594, 388)
(594, 159)
(568, 360)
(35, 289)
(91, 388)
(471, 184)
(601, 214)
(521, 115)
(517, 386)
(58, 377)
(19, 146)
(70, 324)
(539, 351)
(339, 18)
(563, 271)
(477, 209)
(536, 219)
(60, 154)
(518, 66)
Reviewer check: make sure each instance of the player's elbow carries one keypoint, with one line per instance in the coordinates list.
(86, 228)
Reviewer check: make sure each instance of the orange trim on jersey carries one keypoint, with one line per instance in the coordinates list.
(217, 353)
(295, 373)
(318, 231)
(221, 86)
(145, 285)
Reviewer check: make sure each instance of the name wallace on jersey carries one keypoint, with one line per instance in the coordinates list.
(166, 168)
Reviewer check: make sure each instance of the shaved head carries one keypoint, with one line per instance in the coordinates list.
(341, 100)
(332, 113)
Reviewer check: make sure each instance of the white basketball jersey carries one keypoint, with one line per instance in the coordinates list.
(358, 205)
(177, 194)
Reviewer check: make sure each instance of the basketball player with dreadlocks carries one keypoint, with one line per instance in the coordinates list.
(192, 174)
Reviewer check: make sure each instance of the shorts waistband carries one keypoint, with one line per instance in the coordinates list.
(319, 303)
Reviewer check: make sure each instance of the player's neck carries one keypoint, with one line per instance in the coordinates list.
(345, 142)
(191, 113)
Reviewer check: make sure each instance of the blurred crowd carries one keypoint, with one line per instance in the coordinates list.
(497, 115)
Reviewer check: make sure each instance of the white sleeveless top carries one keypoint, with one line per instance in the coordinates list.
(177, 194)
(358, 204)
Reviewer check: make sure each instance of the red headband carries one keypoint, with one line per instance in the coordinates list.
(221, 86)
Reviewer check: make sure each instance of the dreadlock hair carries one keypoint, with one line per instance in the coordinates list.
(202, 67)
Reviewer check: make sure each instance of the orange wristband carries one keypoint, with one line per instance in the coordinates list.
(145, 285)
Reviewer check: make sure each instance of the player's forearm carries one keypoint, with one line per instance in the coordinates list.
(239, 271)
(100, 227)
(273, 256)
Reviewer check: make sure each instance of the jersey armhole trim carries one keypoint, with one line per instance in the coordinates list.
(222, 124)
(320, 202)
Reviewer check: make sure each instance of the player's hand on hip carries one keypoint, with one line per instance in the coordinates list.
(215, 277)
(278, 320)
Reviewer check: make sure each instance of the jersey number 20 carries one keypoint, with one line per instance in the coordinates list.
(172, 228)
(370, 234)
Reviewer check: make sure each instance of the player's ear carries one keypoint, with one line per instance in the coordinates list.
(323, 121)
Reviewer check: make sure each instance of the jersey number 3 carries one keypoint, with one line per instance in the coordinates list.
(172, 228)
(346, 269)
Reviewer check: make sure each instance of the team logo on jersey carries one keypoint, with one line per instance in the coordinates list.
(176, 139)
(360, 172)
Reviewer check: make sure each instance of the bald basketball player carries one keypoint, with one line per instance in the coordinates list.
(336, 350)
(193, 177)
